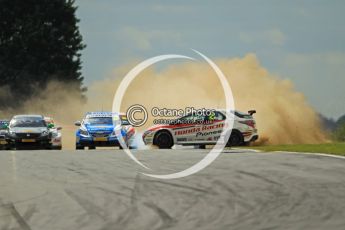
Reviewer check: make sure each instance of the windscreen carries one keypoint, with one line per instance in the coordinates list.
(28, 122)
(98, 121)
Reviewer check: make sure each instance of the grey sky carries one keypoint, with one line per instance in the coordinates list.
(299, 40)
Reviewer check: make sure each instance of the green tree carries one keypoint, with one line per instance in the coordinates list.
(341, 121)
(39, 42)
(339, 132)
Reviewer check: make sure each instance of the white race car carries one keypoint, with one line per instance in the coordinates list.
(200, 130)
(56, 136)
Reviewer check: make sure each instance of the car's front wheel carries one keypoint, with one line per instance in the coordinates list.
(163, 140)
(200, 146)
(79, 147)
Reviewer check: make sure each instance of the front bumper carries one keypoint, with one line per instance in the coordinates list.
(97, 141)
(40, 142)
(56, 142)
(3, 142)
(148, 138)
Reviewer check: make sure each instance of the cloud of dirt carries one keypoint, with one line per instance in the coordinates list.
(283, 115)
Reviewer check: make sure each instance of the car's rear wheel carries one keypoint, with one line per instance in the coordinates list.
(92, 147)
(235, 139)
(163, 140)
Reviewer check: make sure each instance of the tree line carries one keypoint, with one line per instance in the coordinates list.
(39, 42)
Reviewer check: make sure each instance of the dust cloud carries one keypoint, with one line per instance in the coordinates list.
(283, 114)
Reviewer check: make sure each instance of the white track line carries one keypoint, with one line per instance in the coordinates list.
(306, 153)
(317, 154)
(249, 150)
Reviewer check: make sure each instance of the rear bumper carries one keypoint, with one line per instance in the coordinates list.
(252, 138)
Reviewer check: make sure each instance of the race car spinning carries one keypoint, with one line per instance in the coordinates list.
(200, 130)
(98, 130)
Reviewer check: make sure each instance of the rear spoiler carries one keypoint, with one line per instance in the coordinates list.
(251, 112)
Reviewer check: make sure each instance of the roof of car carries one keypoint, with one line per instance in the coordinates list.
(28, 116)
(101, 114)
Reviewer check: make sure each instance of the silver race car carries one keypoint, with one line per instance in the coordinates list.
(29, 131)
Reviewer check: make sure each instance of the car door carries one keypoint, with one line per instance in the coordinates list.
(187, 130)
(213, 126)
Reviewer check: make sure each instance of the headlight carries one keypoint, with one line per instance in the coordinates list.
(113, 134)
(84, 132)
(118, 129)
(12, 133)
(44, 133)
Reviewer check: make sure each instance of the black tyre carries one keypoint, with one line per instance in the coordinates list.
(57, 148)
(92, 147)
(79, 147)
(200, 146)
(163, 140)
(236, 139)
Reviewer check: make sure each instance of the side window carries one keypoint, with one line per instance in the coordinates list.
(215, 116)
(219, 116)
(191, 119)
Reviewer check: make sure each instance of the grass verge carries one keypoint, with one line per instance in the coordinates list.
(330, 148)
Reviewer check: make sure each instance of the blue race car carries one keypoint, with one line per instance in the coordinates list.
(97, 129)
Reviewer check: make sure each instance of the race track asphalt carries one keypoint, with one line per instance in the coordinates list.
(104, 189)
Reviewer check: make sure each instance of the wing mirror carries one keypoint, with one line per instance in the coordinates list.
(58, 128)
(77, 123)
(251, 112)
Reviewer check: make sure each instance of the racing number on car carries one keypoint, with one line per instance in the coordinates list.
(212, 116)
